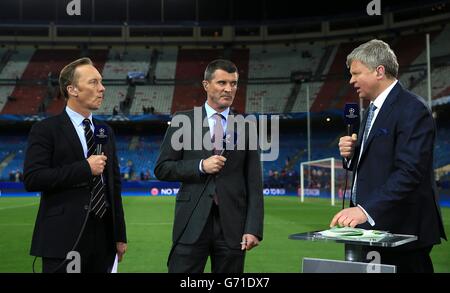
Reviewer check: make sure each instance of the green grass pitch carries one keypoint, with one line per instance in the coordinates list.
(149, 226)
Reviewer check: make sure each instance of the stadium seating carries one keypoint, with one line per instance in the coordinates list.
(121, 62)
(138, 153)
(114, 94)
(166, 63)
(14, 69)
(157, 96)
(267, 98)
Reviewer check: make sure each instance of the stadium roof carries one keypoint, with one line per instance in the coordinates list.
(202, 12)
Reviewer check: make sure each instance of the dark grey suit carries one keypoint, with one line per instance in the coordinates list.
(238, 186)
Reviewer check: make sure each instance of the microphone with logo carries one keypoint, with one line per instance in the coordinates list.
(351, 116)
(101, 138)
(351, 119)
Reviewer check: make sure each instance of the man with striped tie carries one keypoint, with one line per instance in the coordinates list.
(80, 221)
(392, 161)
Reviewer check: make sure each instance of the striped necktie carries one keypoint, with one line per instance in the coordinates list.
(367, 127)
(98, 200)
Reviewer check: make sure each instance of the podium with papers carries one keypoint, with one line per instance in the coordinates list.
(354, 239)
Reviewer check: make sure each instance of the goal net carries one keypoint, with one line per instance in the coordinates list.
(322, 178)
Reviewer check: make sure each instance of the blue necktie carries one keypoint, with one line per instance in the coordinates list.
(372, 109)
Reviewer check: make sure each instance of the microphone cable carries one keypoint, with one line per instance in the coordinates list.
(98, 152)
(349, 130)
(76, 242)
(78, 237)
(345, 189)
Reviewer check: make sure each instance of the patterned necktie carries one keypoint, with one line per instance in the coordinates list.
(98, 202)
(372, 109)
(218, 134)
(218, 143)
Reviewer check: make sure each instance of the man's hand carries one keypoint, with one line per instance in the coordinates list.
(249, 241)
(347, 145)
(121, 249)
(213, 164)
(97, 164)
(349, 217)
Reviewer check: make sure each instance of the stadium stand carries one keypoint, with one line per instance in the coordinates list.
(43, 62)
(157, 96)
(114, 94)
(120, 62)
(440, 56)
(13, 69)
(267, 98)
(166, 63)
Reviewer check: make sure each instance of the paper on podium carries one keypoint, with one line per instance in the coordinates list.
(114, 268)
(354, 233)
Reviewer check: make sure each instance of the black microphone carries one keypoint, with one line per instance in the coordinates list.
(227, 143)
(351, 116)
(101, 138)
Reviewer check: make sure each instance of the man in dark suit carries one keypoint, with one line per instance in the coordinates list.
(219, 207)
(80, 190)
(392, 161)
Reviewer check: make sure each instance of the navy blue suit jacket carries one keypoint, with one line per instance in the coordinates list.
(55, 165)
(395, 182)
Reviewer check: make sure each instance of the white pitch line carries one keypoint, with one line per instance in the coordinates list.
(151, 224)
(17, 224)
(21, 206)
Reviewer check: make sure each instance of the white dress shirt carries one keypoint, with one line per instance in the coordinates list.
(378, 102)
(212, 122)
(77, 120)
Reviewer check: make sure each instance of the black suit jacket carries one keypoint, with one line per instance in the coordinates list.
(395, 182)
(55, 165)
(238, 186)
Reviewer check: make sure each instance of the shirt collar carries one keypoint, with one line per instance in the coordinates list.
(76, 117)
(378, 102)
(210, 111)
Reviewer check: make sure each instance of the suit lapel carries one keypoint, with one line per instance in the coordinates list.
(381, 119)
(71, 135)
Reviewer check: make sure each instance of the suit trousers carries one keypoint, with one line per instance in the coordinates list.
(191, 258)
(96, 247)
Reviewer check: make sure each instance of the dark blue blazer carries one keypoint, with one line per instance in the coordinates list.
(395, 182)
(55, 165)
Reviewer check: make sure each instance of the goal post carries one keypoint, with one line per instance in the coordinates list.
(321, 178)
